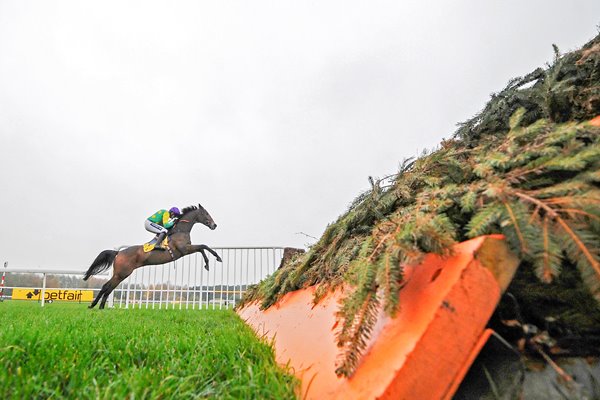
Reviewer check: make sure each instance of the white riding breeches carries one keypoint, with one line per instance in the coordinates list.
(154, 228)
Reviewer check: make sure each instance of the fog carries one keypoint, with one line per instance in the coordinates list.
(272, 115)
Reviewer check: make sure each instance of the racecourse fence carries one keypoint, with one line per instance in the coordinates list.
(181, 284)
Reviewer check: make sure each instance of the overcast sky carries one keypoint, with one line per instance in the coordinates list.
(270, 114)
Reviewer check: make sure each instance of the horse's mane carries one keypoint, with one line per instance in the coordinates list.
(190, 208)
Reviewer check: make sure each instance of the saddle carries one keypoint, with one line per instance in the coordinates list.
(149, 246)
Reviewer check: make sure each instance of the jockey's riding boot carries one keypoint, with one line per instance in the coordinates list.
(159, 240)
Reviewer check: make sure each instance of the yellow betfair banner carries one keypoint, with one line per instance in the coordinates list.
(53, 294)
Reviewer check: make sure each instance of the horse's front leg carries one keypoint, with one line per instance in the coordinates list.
(200, 248)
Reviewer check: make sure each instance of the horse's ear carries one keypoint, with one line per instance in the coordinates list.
(200, 206)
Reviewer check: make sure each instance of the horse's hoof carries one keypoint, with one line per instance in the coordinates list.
(219, 259)
(90, 307)
(206, 267)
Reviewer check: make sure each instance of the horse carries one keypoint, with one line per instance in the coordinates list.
(126, 260)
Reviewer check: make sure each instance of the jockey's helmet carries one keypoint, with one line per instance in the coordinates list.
(174, 211)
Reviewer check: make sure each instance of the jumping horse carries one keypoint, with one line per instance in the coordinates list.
(125, 261)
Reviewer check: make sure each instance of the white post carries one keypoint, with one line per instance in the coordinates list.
(201, 282)
(43, 289)
(127, 296)
(111, 299)
(2, 284)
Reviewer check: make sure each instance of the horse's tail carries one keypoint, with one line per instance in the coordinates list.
(101, 263)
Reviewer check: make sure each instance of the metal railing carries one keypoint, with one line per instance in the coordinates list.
(184, 283)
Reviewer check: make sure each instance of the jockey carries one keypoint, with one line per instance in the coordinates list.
(160, 222)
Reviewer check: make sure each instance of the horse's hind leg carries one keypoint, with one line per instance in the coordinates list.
(122, 267)
(100, 294)
(111, 285)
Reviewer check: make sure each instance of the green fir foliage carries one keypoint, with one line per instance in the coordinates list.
(524, 167)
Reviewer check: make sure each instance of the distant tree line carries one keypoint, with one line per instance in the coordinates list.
(52, 281)
(137, 291)
(170, 292)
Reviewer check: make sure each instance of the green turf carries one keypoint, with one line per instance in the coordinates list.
(67, 351)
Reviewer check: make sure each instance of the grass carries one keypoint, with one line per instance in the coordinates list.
(67, 351)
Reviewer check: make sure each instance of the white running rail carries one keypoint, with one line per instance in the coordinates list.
(184, 283)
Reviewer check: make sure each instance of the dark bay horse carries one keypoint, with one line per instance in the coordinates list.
(127, 260)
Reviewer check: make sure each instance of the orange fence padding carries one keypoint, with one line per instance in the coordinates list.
(422, 353)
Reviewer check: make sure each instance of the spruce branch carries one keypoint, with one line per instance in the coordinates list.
(515, 224)
(509, 170)
(581, 245)
(552, 213)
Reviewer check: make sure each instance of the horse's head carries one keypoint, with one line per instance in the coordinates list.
(203, 217)
(197, 214)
